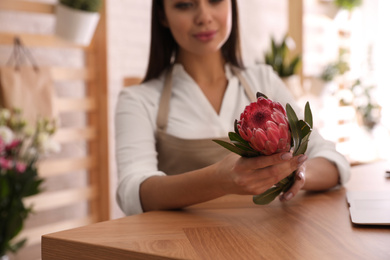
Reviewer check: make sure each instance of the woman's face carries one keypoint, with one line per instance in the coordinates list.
(199, 27)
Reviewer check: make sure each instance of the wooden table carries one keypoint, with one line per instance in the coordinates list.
(311, 226)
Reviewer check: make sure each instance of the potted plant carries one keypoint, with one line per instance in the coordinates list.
(76, 20)
(276, 57)
(347, 4)
(20, 148)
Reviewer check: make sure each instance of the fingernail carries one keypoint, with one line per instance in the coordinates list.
(302, 158)
(286, 156)
(288, 196)
(300, 176)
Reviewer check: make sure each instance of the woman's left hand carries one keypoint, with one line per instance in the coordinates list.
(298, 184)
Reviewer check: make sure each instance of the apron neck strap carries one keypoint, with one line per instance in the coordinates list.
(163, 111)
(248, 91)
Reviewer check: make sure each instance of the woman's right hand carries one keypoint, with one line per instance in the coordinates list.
(252, 176)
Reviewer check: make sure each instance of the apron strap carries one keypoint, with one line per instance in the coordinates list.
(244, 83)
(163, 111)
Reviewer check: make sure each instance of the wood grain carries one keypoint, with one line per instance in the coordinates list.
(38, 40)
(96, 59)
(65, 74)
(74, 134)
(27, 6)
(207, 242)
(312, 226)
(58, 199)
(49, 168)
(295, 31)
(76, 104)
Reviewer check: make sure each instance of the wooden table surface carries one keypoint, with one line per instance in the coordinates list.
(311, 226)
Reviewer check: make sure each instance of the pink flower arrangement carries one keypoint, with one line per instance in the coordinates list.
(266, 128)
(20, 148)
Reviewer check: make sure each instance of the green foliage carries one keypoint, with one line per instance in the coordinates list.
(347, 4)
(277, 58)
(13, 188)
(338, 67)
(84, 5)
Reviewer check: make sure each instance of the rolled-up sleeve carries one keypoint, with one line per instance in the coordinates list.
(318, 147)
(134, 148)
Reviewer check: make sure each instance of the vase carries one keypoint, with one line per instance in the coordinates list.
(74, 25)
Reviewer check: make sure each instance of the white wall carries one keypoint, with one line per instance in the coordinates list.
(128, 23)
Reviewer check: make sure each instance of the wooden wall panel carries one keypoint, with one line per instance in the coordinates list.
(93, 135)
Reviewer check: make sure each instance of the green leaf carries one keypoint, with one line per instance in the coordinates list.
(268, 196)
(230, 147)
(294, 126)
(243, 147)
(308, 115)
(290, 69)
(259, 94)
(235, 127)
(15, 247)
(290, 182)
(303, 147)
(304, 143)
(4, 187)
(236, 137)
(15, 222)
(284, 181)
(305, 129)
(235, 149)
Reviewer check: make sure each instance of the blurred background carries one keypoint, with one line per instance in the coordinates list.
(333, 54)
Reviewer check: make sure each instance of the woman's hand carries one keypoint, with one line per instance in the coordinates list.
(317, 174)
(298, 184)
(253, 176)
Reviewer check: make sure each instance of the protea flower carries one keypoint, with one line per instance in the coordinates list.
(264, 129)
(264, 125)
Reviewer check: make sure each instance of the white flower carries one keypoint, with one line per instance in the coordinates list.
(6, 134)
(5, 114)
(31, 153)
(42, 138)
(48, 145)
(28, 131)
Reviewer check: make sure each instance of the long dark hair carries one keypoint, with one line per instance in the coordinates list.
(163, 46)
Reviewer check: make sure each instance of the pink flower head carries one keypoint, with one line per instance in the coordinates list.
(2, 145)
(5, 163)
(264, 125)
(15, 143)
(20, 167)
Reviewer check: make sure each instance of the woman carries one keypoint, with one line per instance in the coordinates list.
(194, 89)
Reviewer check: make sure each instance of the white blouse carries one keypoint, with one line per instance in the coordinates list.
(191, 116)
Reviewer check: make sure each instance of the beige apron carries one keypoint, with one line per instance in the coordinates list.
(177, 155)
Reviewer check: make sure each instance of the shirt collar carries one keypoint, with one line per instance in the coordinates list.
(179, 72)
